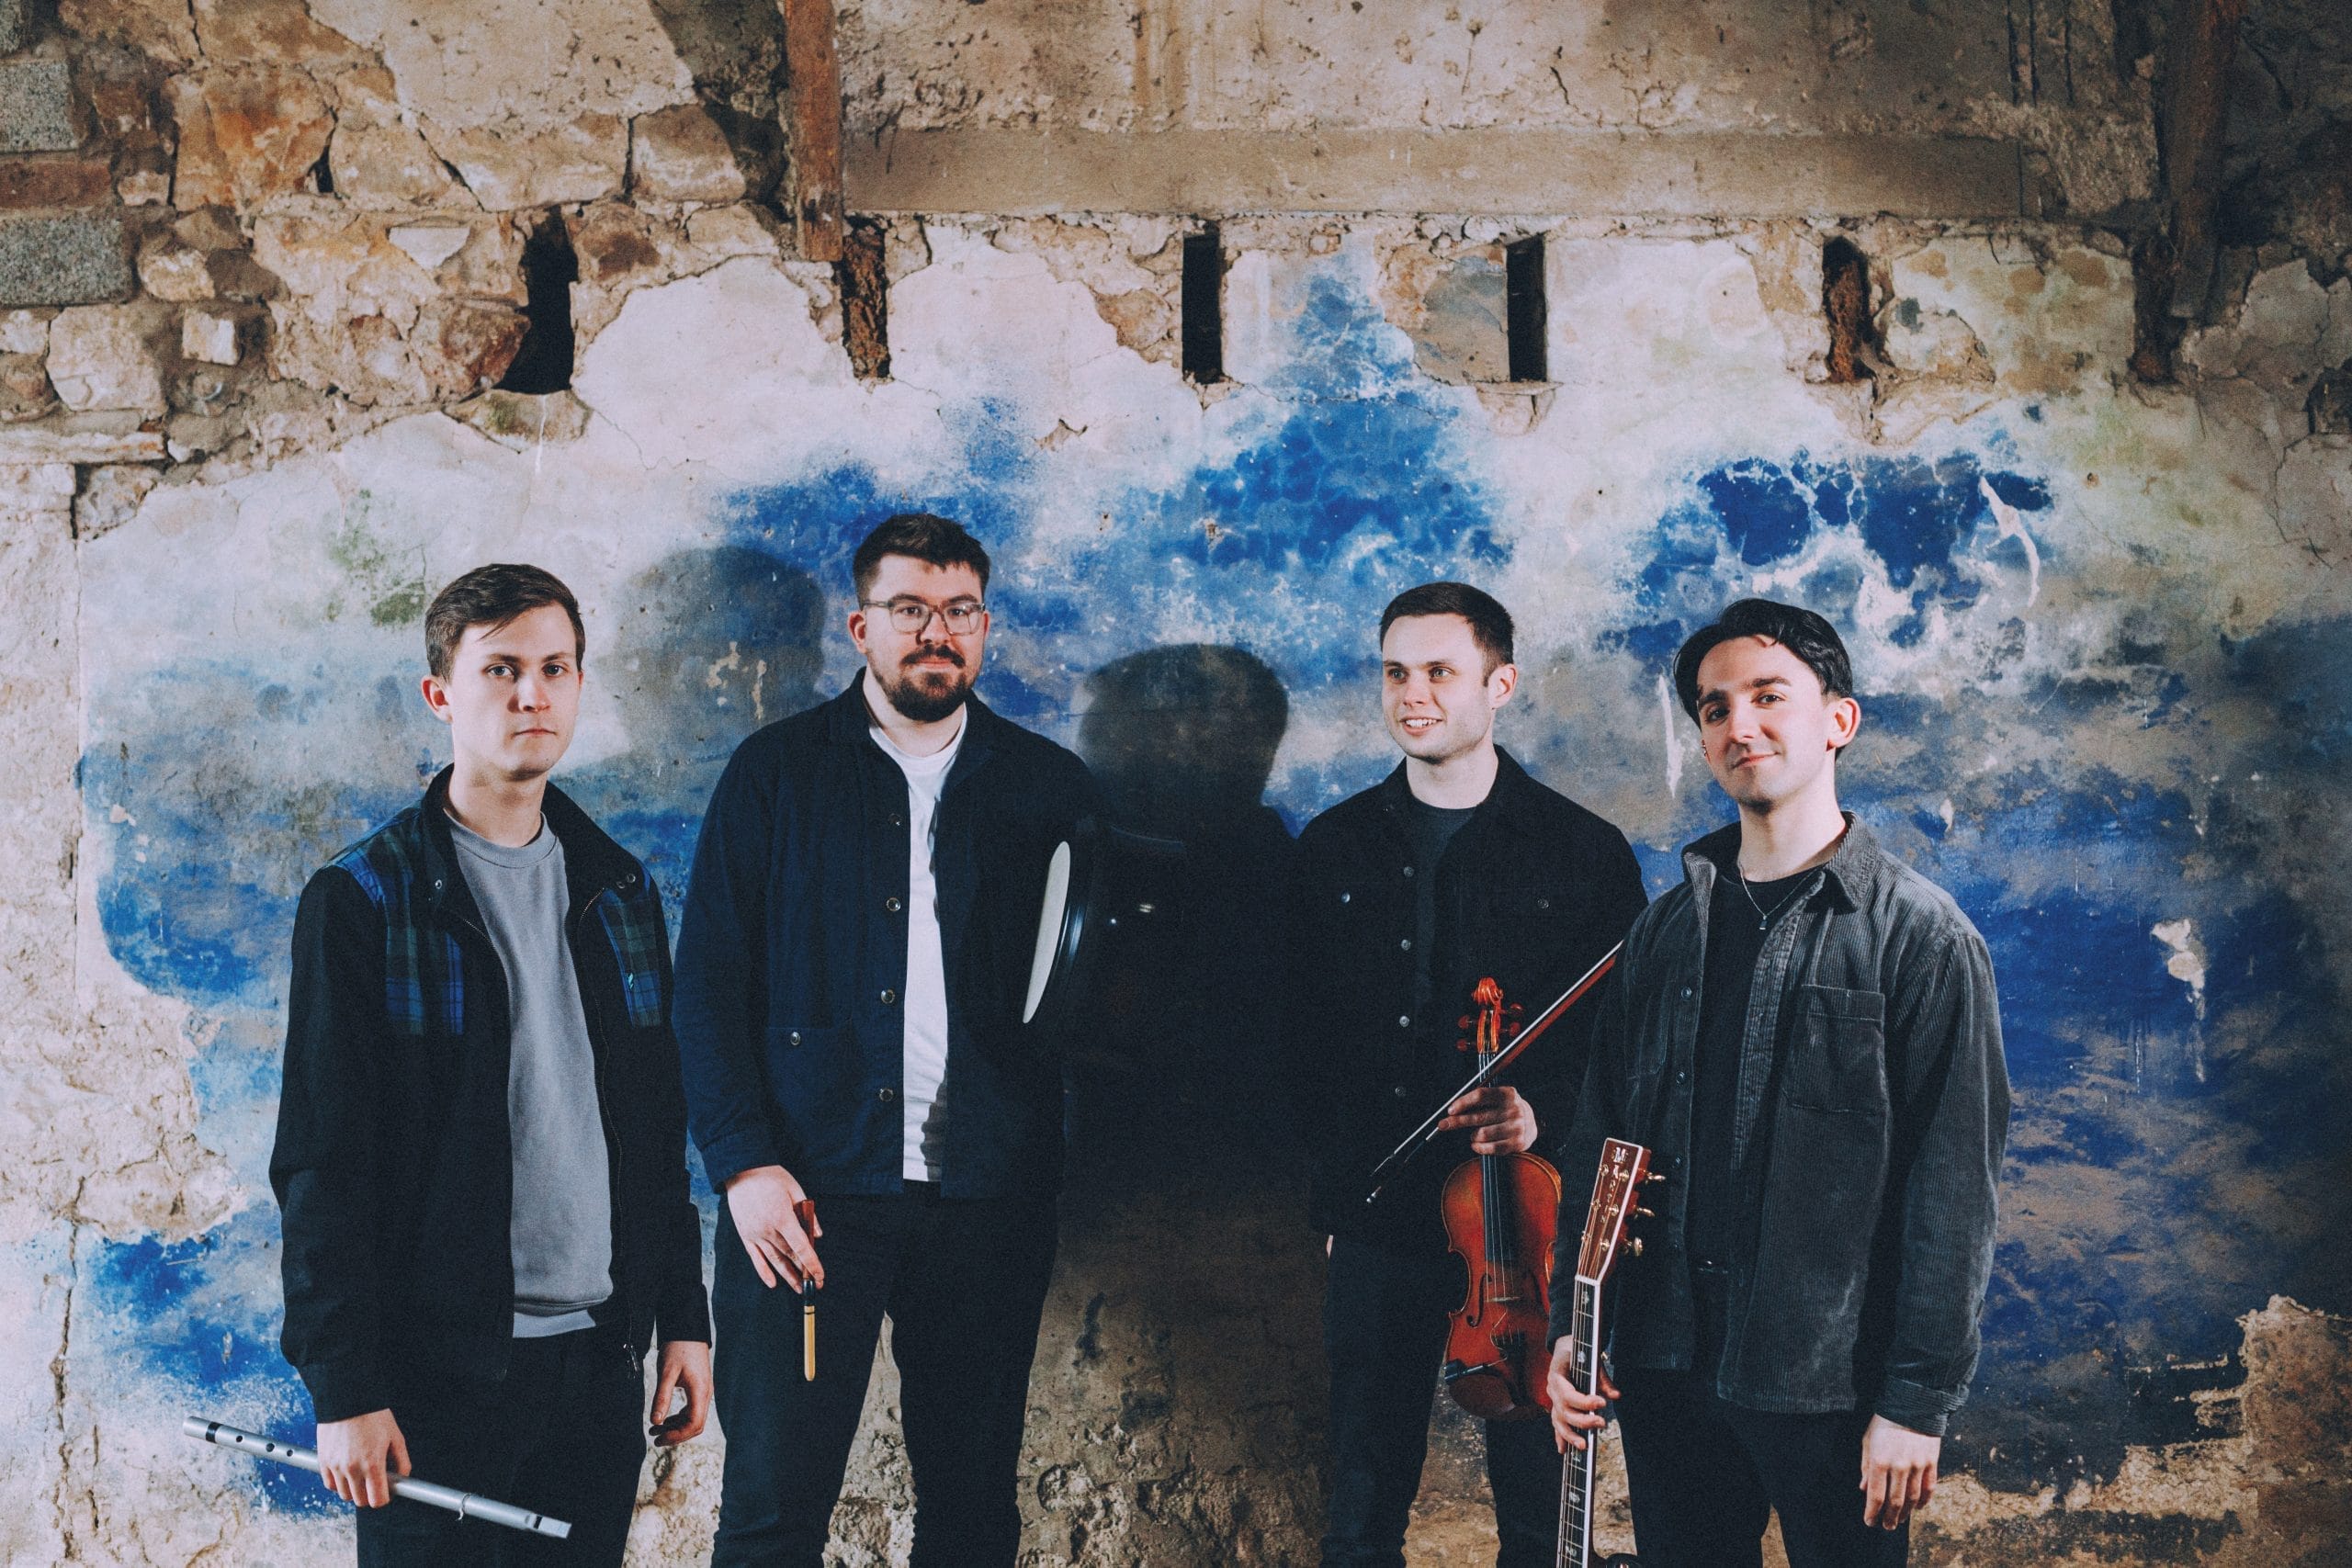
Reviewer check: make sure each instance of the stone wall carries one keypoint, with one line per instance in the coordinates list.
(305, 308)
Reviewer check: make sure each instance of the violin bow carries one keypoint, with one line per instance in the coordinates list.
(1402, 1155)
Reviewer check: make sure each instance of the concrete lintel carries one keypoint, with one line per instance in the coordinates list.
(1474, 172)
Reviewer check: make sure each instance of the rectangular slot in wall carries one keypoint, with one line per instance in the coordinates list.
(1523, 308)
(1204, 305)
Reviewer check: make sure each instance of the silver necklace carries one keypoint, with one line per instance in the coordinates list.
(1763, 916)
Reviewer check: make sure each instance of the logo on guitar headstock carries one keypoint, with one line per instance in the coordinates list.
(1616, 1191)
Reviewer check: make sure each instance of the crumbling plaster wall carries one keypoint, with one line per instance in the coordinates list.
(265, 262)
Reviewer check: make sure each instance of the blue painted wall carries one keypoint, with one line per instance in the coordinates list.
(2060, 727)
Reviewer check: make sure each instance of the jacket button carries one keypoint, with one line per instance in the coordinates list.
(1344, 898)
(1405, 1021)
(1405, 943)
(1681, 1075)
(628, 880)
(892, 905)
(795, 1037)
(886, 1094)
(1399, 1091)
(1542, 903)
(1686, 993)
(897, 821)
(1408, 871)
(889, 998)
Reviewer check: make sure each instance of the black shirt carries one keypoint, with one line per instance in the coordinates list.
(1430, 828)
(1737, 919)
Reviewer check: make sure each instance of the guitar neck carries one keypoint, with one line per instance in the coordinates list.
(1576, 1469)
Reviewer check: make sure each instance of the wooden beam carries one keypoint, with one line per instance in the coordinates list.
(814, 130)
(2175, 266)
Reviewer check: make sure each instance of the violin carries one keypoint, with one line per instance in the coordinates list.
(1501, 1213)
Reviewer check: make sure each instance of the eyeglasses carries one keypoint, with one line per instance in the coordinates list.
(912, 615)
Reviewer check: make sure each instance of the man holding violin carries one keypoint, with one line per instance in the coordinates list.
(1457, 867)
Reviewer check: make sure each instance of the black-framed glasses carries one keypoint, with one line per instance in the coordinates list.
(910, 615)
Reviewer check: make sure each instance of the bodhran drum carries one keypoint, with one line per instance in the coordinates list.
(1095, 878)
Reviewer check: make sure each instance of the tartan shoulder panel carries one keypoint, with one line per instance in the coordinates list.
(633, 926)
(424, 970)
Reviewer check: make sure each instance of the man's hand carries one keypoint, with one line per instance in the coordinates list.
(1500, 1121)
(358, 1459)
(1574, 1412)
(685, 1369)
(1898, 1472)
(761, 1202)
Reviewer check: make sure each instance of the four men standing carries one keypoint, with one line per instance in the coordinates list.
(480, 1158)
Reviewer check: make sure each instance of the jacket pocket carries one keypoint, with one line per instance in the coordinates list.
(1838, 1051)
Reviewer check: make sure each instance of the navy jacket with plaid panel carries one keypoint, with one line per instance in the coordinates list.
(393, 1169)
(792, 955)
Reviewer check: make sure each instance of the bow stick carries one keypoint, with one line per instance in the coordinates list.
(1402, 1155)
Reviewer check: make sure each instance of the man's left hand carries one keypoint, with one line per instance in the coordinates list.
(1898, 1472)
(685, 1367)
(1500, 1122)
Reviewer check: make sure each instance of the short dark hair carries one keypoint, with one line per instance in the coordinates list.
(494, 597)
(938, 541)
(1490, 625)
(1801, 631)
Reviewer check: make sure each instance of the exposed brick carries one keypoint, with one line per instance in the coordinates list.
(73, 259)
(54, 182)
(37, 107)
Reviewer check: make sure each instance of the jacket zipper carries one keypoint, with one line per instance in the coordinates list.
(605, 1110)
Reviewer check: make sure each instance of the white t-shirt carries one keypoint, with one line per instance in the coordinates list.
(922, 1089)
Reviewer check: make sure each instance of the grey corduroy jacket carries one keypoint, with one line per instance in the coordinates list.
(1871, 1116)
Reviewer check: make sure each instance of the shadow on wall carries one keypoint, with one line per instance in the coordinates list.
(1178, 1078)
(708, 645)
(1186, 1263)
(735, 55)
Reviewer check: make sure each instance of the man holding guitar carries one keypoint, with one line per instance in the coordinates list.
(1806, 1036)
(1457, 867)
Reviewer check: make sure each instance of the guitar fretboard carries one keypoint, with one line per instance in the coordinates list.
(1576, 1468)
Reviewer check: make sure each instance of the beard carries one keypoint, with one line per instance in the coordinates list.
(927, 695)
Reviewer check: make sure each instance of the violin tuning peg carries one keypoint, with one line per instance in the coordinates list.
(1464, 1021)
(1514, 1011)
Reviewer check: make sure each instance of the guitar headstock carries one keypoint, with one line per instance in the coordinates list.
(1616, 1201)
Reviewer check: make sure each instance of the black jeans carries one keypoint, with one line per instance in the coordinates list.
(963, 1281)
(1383, 1331)
(1705, 1474)
(562, 1434)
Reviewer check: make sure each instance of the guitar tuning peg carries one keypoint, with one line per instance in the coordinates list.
(1652, 1180)
(1634, 1245)
(1645, 1215)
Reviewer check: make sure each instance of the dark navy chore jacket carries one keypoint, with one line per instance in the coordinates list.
(792, 955)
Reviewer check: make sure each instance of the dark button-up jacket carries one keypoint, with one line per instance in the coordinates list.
(792, 955)
(394, 1167)
(1531, 890)
(1872, 1111)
